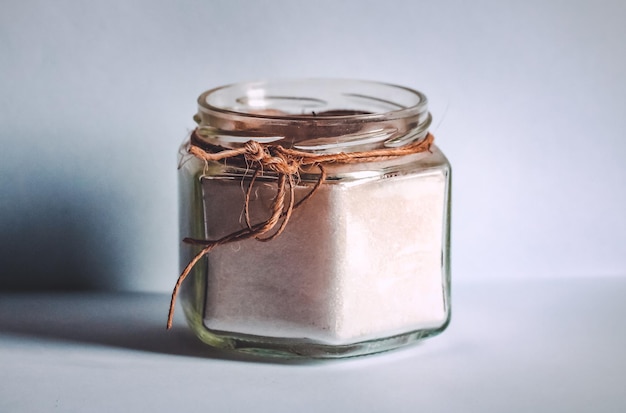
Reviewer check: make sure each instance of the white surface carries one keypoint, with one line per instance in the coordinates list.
(540, 346)
(527, 97)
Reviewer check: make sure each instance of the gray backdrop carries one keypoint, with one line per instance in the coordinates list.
(96, 96)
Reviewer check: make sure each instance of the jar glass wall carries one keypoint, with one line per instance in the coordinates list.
(362, 264)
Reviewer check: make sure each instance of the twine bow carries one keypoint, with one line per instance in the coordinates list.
(286, 164)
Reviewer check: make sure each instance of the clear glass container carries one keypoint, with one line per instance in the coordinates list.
(362, 265)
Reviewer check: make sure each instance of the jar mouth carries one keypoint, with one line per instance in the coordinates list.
(313, 114)
(368, 100)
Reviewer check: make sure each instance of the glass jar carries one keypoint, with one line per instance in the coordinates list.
(361, 265)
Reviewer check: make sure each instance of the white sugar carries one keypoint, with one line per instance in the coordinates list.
(360, 260)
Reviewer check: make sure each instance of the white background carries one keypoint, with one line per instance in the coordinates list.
(95, 97)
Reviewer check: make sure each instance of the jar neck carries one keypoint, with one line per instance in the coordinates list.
(313, 115)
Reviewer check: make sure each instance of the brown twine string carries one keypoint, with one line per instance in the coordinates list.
(287, 164)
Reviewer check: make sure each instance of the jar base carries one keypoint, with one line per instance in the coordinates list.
(288, 348)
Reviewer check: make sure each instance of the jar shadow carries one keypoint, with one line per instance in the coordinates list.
(58, 234)
(134, 321)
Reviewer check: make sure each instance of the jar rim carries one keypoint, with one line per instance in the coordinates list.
(314, 114)
(252, 89)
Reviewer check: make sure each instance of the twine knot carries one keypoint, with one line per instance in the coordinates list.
(273, 158)
(254, 151)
